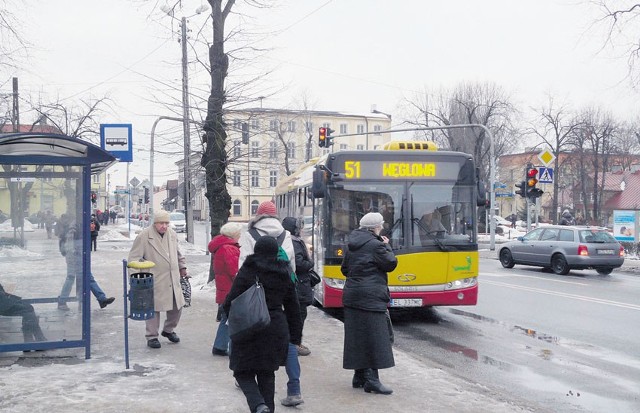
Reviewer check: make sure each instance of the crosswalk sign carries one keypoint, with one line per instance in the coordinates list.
(545, 175)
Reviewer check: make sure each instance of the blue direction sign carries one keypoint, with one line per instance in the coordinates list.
(545, 175)
(503, 194)
(499, 185)
(121, 191)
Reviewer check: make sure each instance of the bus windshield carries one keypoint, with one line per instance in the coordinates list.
(416, 215)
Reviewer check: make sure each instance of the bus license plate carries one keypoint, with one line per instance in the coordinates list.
(605, 252)
(406, 302)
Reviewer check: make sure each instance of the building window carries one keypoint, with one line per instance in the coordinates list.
(291, 126)
(95, 179)
(237, 151)
(291, 150)
(273, 150)
(308, 126)
(237, 124)
(360, 128)
(377, 129)
(273, 125)
(343, 147)
(255, 178)
(360, 147)
(343, 128)
(273, 178)
(255, 149)
(326, 125)
(237, 177)
(254, 207)
(255, 123)
(237, 207)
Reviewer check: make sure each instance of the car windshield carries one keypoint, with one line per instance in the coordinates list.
(176, 216)
(590, 235)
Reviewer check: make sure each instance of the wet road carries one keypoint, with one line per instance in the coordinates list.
(560, 344)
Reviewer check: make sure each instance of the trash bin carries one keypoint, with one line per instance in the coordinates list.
(141, 296)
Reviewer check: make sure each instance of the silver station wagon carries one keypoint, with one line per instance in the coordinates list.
(564, 248)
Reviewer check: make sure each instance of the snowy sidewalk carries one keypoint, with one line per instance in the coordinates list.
(185, 377)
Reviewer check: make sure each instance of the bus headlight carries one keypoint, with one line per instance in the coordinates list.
(462, 283)
(335, 283)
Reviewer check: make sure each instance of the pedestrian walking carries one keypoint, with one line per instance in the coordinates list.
(367, 342)
(225, 251)
(255, 360)
(49, 220)
(94, 227)
(70, 246)
(159, 243)
(567, 218)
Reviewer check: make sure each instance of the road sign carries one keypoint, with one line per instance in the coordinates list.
(546, 156)
(134, 182)
(120, 191)
(545, 175)
(499, 185)
(503, 195)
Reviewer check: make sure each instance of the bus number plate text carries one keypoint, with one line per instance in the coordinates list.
(406, 302)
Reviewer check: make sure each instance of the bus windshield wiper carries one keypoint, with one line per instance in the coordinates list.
(431, 235)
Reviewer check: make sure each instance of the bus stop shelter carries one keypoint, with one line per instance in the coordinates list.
(45, 212)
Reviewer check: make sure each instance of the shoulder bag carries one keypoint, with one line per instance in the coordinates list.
(248, 314)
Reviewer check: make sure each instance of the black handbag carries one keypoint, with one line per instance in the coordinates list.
(249, 313)
(314, 277)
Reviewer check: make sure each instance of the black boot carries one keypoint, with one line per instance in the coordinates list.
(373, 384)
(358, 379)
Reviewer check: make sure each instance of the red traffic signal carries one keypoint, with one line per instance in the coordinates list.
(532, 177)
(322, 138)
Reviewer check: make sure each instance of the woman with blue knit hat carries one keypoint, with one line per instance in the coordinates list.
(367, 343)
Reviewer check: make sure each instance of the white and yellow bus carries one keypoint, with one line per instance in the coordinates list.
(428, 199)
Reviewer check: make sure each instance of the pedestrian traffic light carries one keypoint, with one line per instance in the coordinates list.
(322, 138)
(146, 195)
(532, 181)
(94, 197)
(522, 191)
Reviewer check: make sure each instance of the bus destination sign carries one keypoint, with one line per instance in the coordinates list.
(376, 169)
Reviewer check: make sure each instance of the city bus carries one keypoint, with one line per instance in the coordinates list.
(428, 199)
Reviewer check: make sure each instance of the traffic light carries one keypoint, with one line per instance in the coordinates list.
(94, 197)
(322, 138)
(146, 195)
(532, 180)
(522, 191)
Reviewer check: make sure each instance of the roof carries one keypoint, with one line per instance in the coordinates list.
(626, 196)
(26, 148)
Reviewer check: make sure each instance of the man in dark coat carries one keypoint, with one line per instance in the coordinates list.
(94, 227)
(258, 357)
(567, 218)
(367, 343)
(12, 305)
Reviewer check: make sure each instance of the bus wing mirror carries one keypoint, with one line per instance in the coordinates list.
(319, 185)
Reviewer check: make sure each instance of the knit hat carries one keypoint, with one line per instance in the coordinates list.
(266, 246)
(371, 220)
(161, 216)
(267, 208)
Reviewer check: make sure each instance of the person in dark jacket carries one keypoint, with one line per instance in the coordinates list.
(367, 343)
(304, 263)
(94, 227)
(255, 360)
(12, 305)
(567, 218)
(225, 252)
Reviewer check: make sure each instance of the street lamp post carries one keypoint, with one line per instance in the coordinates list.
(188, 211)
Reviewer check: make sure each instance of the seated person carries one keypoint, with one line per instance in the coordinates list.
(12, 305)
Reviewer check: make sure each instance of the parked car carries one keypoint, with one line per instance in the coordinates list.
(564, 248)
(178, 222)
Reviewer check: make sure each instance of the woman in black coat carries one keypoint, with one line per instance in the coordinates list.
(367, 342)
(255, 360)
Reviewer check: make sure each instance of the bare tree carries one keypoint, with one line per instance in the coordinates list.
(555, 126)
(626, 145)
(12, 45)
(620, 18)
(593, 142)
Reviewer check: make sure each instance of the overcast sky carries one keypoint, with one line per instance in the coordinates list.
(343, 54)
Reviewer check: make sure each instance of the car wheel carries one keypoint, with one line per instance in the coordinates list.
(506, 259)
(559, 264)
(604, 271)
